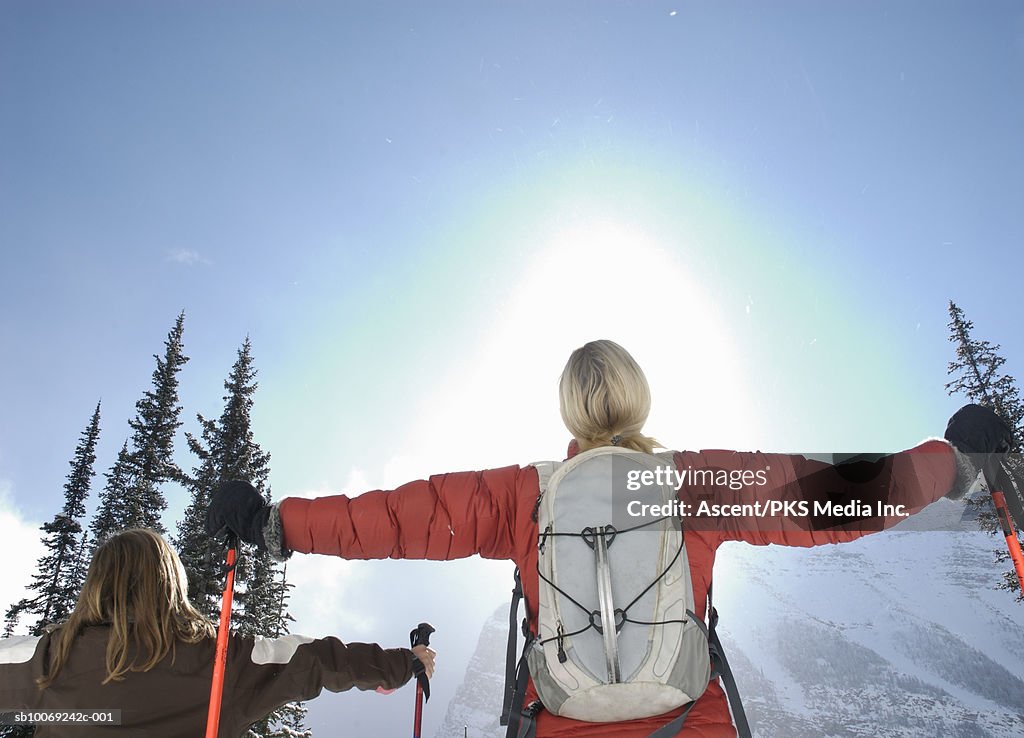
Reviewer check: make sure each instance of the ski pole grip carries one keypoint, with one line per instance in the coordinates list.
(420, 636)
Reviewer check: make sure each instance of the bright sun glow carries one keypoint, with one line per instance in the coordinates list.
(498, 404)
(600, 279)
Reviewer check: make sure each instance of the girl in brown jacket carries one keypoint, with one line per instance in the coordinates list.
(135, 644)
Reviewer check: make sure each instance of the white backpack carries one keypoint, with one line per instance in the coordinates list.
(598, 564)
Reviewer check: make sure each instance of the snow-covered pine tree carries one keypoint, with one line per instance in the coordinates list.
(58, 577)
(289, 722)
(977, 375)
(17, 731)
(133, 498)
(226, 450)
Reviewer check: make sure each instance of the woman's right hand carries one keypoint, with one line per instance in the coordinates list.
(426, 655)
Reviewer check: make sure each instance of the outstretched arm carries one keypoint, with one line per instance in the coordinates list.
(448, 516)
(22, 661)
(791, 500)
(266, 673)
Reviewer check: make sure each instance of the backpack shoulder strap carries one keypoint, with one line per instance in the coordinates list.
(513, 684)
(510, 651)
(720, 667)
(544, 471)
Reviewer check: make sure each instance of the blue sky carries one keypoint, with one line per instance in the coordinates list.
(416, 210)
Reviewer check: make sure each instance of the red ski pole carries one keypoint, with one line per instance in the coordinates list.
(997, 477)
(1006, 522)
(420, 637)
(221, 656)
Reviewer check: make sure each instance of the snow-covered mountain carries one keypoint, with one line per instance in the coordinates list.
(476, 706)
(898, 634)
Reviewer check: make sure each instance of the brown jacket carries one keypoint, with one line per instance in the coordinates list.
(171, 700)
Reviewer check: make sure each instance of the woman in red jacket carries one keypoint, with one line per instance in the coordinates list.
(605, 400)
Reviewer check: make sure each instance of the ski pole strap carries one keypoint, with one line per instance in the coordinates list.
(720, 667)
(671, 729)
(521, 722)
(510, 651)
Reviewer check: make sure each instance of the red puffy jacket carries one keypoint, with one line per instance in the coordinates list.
(490, 513)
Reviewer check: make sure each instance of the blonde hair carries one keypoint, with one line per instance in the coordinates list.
(603, 393)
(136, 584)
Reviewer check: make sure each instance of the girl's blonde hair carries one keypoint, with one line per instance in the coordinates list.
(136, 585)
(604, 398)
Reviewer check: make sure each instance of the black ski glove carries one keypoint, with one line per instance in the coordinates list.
(977, 434)
(976, 429)
(237, 507)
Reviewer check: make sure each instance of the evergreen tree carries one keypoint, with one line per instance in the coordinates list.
(17, 731)
(133, 498)
(193, 544)
(977, 375)
(287, 721)
(58, 578)
(226, 450)
(110, 516)
(81, 562)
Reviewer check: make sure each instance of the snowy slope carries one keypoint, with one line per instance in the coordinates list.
(897, 634)
(884, 637)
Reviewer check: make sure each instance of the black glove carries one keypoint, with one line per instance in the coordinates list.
(978, 435)
(975, 429)
(238, 508)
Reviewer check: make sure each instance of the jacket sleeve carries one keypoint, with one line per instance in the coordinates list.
(21, 663)
(448, 516)
(804, 502)
(268, 673)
